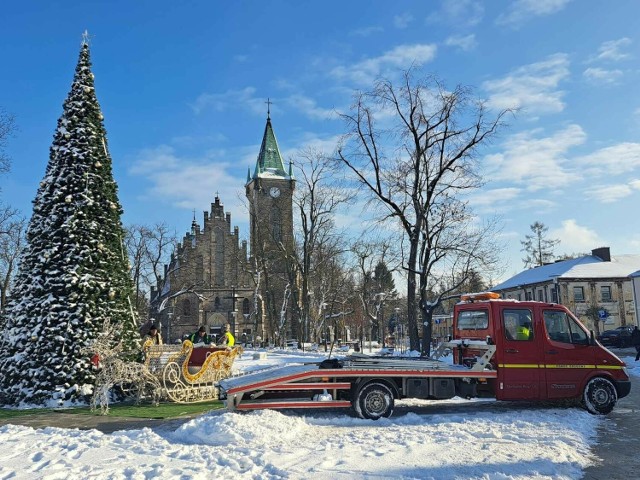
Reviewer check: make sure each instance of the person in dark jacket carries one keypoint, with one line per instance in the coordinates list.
(201, 336)
(635, 341)
(153, 335)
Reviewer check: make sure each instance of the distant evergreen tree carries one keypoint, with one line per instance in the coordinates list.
(537, 247)
(384, 279)
(74, 272)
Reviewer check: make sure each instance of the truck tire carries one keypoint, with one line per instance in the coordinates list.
(373, 401)
(600, 396)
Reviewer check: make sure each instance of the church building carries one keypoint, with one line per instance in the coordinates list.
(212, 279)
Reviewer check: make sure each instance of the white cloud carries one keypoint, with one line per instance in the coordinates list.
(187, 182)
(366, 31)
(533, 87)
(575, 238)
(459, 13)
(522, 10)
(535, 162)
(229, 99)
(612, 50)
(486, 200)
(310, 108)
(401, 57)
(613, 193)
(402, 20)
(465, 43)
(312, 141)
(600, 75)
(613, 160)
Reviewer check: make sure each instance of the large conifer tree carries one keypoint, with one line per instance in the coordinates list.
(74, 272)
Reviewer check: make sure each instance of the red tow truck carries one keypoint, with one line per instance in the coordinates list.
(505, 349)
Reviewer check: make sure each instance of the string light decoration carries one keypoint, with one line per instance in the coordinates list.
(113, 370)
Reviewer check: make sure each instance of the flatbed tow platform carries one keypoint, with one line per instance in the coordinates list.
(340, 383)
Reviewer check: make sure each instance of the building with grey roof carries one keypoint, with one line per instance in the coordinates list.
(610, 284)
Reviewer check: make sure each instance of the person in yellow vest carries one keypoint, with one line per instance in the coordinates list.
(523, 333)
(227, 338)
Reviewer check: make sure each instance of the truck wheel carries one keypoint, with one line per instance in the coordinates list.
(600, 396)
(374, 400)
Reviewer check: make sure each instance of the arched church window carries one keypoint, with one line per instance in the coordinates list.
(186, 307)
(219, 257)
(276, 224)
(216, 303)
(245, 306)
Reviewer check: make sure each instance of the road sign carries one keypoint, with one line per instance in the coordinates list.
(603, 314)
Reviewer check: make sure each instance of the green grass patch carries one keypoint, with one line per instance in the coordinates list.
(127, 410)
(14, 413)
(162, 411)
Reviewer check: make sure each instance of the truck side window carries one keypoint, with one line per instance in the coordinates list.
(473, 320)
(562, 328)
(517, 324)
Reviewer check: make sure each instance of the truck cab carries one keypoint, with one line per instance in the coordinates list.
(543, 352)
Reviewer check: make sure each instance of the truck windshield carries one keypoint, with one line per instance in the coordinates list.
(473, 320)
(562, 328)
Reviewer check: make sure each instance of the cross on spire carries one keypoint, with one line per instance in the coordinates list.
(268, 102)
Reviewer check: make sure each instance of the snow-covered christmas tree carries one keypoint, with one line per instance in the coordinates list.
(74, 272)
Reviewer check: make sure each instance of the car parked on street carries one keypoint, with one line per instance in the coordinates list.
(617, 337)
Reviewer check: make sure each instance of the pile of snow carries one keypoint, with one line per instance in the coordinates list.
(448, 440)
(545, 443)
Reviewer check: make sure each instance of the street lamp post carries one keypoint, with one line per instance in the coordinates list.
(397, 312)
(169, 317)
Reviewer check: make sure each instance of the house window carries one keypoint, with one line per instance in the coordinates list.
(245, 307)
(554, 295)
(528, 296)
(216, 303)
(578, 294)
(540, 296)
(605, 293)
(186, 307)
(519, 297)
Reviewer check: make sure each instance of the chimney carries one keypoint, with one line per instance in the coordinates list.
(602, 253)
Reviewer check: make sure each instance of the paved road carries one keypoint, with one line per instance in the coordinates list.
(106, 424)
(619, 438)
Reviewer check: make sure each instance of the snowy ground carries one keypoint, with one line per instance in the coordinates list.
(453, 439)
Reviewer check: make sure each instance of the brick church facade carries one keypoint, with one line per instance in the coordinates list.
(212, 279)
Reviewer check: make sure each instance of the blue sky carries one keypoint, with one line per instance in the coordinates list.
(183, 84)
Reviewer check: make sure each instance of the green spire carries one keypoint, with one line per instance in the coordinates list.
(269, 163)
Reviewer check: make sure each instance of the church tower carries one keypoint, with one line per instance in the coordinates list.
(269, 190)
(270, 193)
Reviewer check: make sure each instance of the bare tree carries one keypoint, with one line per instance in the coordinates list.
(136, 241)
(317, 199)
(537, 247)
(7, 128)
(148, 248)
(417, 169)
(12, 241)
(371, 292)
(161, 243)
